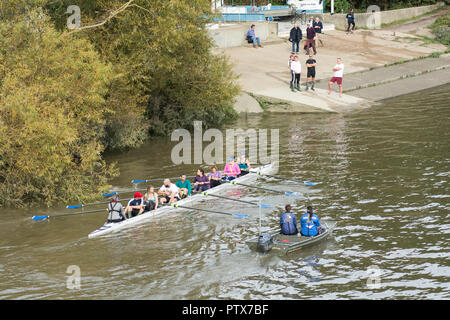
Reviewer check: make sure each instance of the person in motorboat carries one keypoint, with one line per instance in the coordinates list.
(201, 182)
(151, 199)
(231, 170)
(115, 210)
(169, 192)
(184, 186)
(215, 177)
(135, 205)
(244, 165)
(310, 223)
(288, 222)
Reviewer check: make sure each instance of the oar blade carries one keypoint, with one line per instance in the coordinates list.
(75, 207)
(293, 194)
(109, 194)
(40, 217)
(138, 181)
(265, 206)
(240, 215)
(309, 183)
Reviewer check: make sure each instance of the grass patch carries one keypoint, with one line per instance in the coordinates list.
(400, 21)
(266, 104)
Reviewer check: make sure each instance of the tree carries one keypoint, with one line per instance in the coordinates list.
(52, 107)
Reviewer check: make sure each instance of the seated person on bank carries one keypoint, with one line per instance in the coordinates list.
(288, 222)
(251, 37)
(310, 223)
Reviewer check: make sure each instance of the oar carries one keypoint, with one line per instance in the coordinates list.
(114, 193)
(191, 208)
(286, 178)
(90, 204)
(266, 189)
(237, 200)
(65, 214)
(147, 180)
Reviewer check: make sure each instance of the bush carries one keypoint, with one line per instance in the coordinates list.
(441, 29)
(52, 105)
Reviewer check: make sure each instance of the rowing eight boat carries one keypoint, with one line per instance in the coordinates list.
(111, 227)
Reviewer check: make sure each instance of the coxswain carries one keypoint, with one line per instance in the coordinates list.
(115, 210)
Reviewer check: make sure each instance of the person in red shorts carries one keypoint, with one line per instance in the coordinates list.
(337, 76)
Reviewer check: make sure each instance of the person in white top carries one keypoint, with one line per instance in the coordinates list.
(296, 69)
(337, 76)
(169, 191)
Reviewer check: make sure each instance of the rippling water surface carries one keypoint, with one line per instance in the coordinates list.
(383, 175)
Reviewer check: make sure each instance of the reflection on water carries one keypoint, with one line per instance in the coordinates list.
(382, 173)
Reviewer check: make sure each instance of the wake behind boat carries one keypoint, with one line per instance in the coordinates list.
(111, 227)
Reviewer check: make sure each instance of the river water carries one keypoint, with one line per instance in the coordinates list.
(382, 174)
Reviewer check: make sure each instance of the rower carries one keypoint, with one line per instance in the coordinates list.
(201, 182)
(231, 170)
(244, 165)
(169, 191)
(135, 205)
(288, 222)
(310, 223)
(115, 210)
(151, 199)
(215, 177)
(184, 186)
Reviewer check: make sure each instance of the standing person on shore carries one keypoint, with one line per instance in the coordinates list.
(296, 68)
(311, 75)
(291, 58)
(337, 76)
(310, 36)
(251, 36)
(350, 20)
(295, 37)
(318, 26)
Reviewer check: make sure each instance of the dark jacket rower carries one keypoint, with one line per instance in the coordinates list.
(115, 210)
(136, 205)
(288, 222)
(310, 223)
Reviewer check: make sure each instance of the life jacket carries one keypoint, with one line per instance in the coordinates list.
(288, 223)
(310, 228)
(115, 211)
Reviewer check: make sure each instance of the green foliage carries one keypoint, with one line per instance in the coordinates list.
(441, 29)
(163, 52)
(66, 96)
(52, 104)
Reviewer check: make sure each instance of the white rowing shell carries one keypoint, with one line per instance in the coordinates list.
(111, 227)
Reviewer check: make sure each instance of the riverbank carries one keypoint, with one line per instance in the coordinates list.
(379, 64)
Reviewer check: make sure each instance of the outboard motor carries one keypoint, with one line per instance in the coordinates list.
(265, 242)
